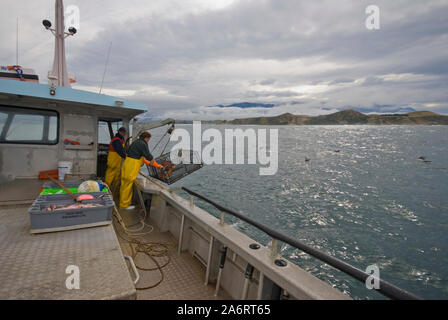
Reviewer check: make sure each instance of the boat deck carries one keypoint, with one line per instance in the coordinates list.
(33, 266)
(20, 191)
(184, 275)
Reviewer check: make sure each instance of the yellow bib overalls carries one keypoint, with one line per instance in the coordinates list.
(112, 176)
(129, 172)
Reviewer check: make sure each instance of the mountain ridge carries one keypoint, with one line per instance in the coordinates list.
(348, 116)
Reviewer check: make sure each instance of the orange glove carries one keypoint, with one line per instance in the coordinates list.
(152, 163)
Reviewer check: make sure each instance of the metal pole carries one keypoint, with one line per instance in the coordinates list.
(222, 220)
(17, 43)
(221, 267)
(209, 259)
(274, 248)
(181, 234)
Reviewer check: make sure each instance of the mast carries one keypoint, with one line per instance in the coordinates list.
(60, 64)
(59, 75)
(17, 42)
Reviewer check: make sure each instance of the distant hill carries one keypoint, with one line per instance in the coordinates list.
(346, 117)
(286, 118)
(341, 117)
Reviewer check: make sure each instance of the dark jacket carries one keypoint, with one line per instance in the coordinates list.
(138, 149)
(117, 145)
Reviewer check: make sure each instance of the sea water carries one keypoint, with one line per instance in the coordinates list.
(363, 197)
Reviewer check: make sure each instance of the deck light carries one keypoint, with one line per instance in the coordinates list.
(47, 24)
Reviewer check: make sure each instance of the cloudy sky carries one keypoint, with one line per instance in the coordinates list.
(182, 57)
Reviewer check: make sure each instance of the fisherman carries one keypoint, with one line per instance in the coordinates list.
(138, 153)
(115, 157)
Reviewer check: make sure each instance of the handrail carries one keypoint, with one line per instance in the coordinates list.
(385, 288)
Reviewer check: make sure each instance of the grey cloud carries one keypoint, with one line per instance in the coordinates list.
(342, 80)
(371, 81)
(267, 82)
(183, 60)
(272, 94)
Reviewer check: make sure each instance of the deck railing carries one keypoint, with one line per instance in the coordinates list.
(385, 288)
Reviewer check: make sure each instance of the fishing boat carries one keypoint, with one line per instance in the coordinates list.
(166, 248)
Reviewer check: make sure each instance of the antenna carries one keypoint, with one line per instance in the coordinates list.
(105, 66)
(17, 42)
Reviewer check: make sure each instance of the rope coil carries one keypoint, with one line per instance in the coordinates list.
(151, 249)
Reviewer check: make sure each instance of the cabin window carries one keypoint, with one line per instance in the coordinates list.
(103, 133)
(107, 130)
(26, 127)
(30, 126)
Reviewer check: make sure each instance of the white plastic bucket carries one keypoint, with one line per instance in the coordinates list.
(64, 167)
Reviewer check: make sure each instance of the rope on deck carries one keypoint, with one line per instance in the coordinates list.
(151, 249)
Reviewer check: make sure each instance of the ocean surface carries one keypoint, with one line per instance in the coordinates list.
(373, 202)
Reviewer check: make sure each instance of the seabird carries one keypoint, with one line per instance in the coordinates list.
(423, 159)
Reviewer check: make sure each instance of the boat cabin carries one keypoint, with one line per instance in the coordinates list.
(36, 128)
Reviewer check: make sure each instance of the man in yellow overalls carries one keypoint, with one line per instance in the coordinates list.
(115, 157)
(138, 153)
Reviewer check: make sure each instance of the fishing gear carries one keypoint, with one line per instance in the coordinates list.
(76, 199)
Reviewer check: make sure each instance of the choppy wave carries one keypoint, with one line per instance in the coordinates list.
(370, 202)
